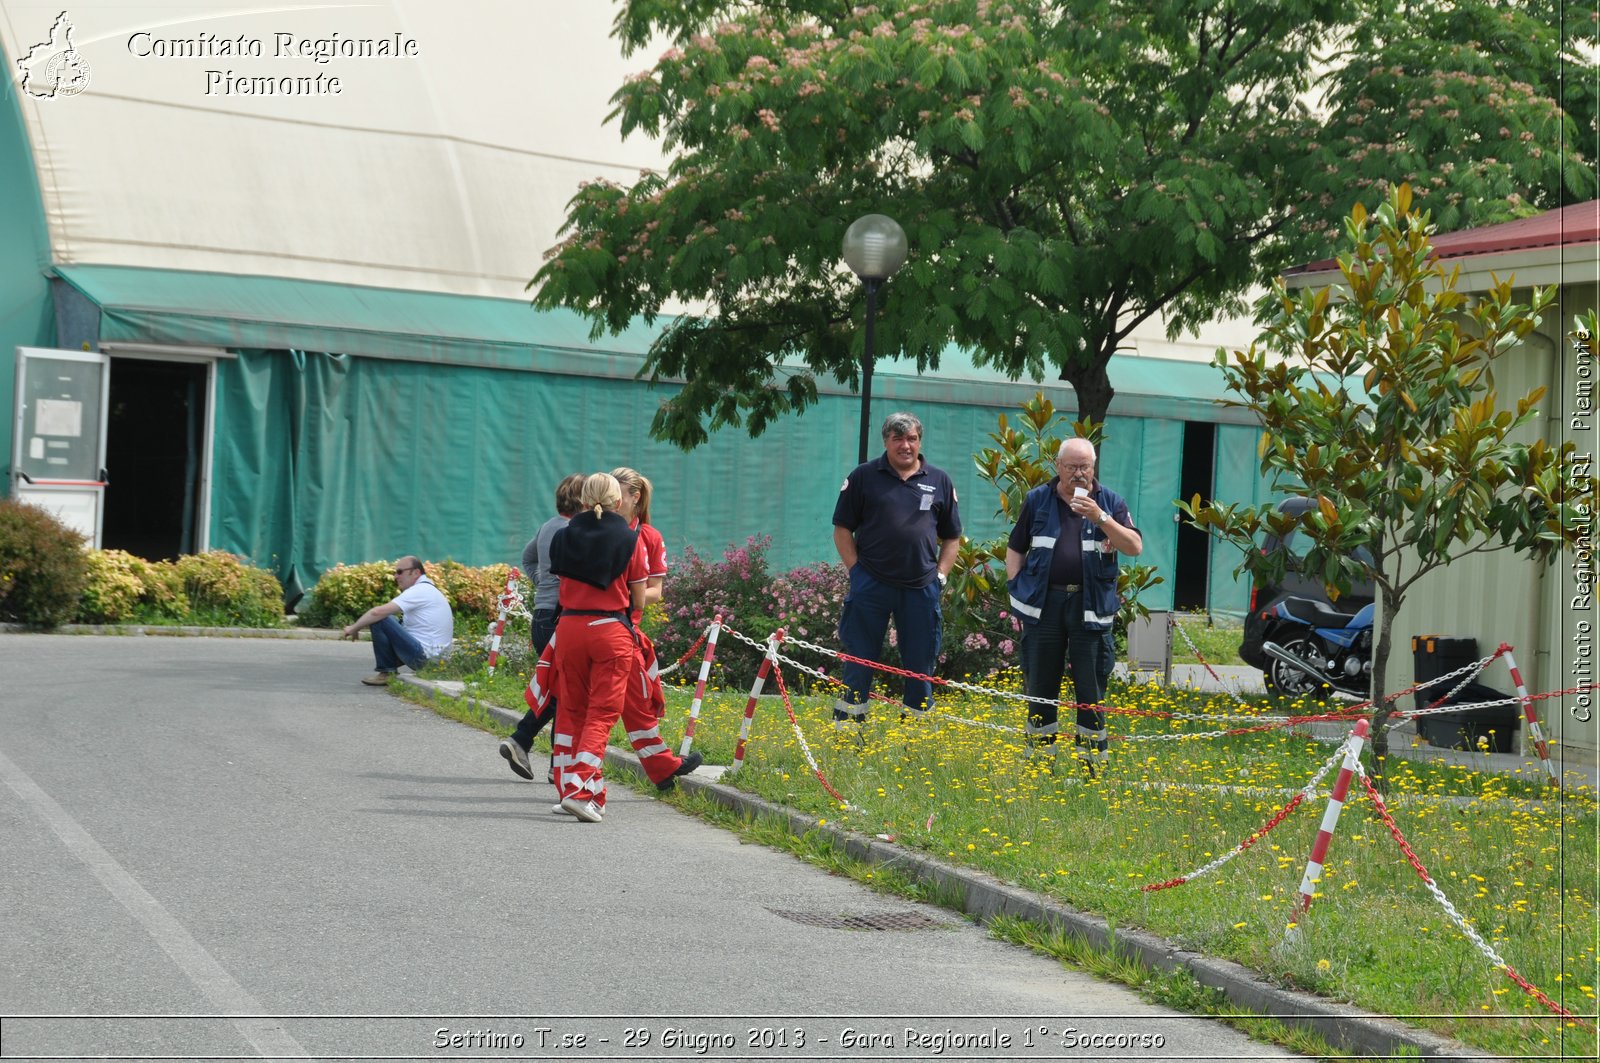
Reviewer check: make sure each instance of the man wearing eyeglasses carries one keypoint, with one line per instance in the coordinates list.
(1061, 569)
(427, 630)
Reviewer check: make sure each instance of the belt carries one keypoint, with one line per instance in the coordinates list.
(1069, 588)
(621, 616)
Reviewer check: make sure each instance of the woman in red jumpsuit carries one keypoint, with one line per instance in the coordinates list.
(603, 572)
(646, 703)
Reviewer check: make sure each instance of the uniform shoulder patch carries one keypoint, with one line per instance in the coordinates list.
(845, 486)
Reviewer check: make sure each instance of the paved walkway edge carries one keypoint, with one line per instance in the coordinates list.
(178, 631)
(984, 897)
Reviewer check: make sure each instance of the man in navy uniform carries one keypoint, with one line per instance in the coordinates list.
(897, 530)
(1061, 567)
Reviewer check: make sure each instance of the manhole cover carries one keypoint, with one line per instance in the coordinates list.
(874, 921)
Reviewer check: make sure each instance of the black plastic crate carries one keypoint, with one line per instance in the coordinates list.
(1461, 730)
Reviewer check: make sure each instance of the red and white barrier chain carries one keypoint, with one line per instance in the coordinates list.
(510, 597)
(1349, 753)
(1330, 816)
(681, 661)
(1263, 723)
(1456, 917)
(1307, 792)
(805, 747)
(700, 685)
(817, 673)
(1227, 687)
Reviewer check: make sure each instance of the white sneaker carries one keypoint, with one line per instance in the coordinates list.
(587, 811)
(557, 809)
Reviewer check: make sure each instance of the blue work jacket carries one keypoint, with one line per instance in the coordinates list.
(1098, 594)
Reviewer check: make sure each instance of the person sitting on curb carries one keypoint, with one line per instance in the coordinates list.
(427, 631)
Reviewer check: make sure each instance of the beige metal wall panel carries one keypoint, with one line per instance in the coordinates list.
(1540, 610)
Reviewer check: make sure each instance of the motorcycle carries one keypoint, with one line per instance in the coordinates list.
(1319, 648)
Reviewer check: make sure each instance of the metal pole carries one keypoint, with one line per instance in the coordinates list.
(866, 369)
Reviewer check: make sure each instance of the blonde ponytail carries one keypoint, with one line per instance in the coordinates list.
(600, 493)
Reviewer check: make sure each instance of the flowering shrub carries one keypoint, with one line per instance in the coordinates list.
(163, 596)
(221, 588)
(346, 591)
(123, 588)
(475, 591)
(114, 587)
(42, 566)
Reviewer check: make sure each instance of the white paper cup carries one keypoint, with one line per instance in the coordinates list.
(1078, 492)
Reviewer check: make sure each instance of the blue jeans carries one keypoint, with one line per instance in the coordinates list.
(542, 628)
(864, 621)
(393, 646)
(1047, 646)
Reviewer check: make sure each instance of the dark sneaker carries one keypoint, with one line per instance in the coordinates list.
(517, 758)
(690, 763)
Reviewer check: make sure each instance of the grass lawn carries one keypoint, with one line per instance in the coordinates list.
(1217, 638)
(1518, 861)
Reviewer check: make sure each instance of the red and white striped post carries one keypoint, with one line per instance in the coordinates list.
(755, 692)
(700, 685)
(507, 596)
(1330, 816)
(1529, 715)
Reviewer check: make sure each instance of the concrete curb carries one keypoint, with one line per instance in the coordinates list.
(984, 897)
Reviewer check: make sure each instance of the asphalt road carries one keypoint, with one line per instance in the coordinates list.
(215, 848)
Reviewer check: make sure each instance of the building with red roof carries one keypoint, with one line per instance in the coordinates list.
(1546, 613)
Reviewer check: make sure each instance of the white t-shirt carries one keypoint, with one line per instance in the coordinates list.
(427, 616)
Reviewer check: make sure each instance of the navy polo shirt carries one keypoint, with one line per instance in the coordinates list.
(897, 523)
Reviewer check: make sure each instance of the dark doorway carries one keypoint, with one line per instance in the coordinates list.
(154, 449)
(1189, 584)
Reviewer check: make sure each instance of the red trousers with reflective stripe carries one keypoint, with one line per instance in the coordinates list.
(642, 710)
(595, 659)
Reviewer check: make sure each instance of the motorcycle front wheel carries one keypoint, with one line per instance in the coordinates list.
(1287, 681)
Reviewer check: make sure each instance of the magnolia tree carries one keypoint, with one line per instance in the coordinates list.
(1065, 172)
(1377, 398)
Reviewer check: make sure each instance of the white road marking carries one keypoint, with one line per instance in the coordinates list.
(231, 999)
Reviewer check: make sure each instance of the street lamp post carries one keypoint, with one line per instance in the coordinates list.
(874, 247)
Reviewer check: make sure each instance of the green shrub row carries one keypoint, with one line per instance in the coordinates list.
(47, 578)
(214, 589)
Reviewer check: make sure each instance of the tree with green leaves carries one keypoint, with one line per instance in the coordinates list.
(1377, 398)
(1065, 171)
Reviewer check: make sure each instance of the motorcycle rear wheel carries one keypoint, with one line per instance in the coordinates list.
(1285, 680)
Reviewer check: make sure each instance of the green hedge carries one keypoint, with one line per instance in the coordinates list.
(42, 566)
(214, 589)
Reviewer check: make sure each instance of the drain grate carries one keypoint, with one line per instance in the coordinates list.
(874, 921)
